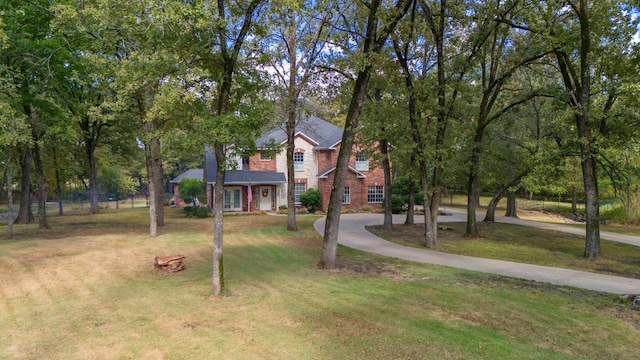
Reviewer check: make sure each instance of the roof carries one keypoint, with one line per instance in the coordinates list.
(325, 174)
(240, 177)
(321, 133)
(189, 174)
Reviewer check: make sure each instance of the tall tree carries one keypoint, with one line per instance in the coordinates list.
(501, 55)
(582, 32)
(29, 53)
(371, 42)
(301, 32)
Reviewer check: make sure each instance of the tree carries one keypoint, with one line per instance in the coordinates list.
(13, 131)
(29, 54)
(586, 32)
(301, 34)
(371, 41)
(191, 189)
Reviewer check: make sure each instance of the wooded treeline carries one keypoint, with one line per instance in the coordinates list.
(477, 96)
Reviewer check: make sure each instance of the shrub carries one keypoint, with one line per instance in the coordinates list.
(311, 199)
(197, 211)
(191, 189)
(366, 208)
(282, 207)
(303, 211)
(398, 204)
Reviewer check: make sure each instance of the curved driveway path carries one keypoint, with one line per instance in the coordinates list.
(352, 233)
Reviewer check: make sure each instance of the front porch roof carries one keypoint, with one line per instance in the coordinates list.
(243, 177)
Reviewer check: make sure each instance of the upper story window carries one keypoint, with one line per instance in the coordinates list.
(362, 162)
(264, 156)
(298, 161)
(234, 162)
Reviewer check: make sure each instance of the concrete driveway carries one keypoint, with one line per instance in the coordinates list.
(352, 233)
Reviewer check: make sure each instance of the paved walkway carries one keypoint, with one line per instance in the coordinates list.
(352, 233)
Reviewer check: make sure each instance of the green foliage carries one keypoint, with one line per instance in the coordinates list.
(114, 181)
(398, 204)
(197, 212)
(191, 189)
(400, 188)
(311, 199)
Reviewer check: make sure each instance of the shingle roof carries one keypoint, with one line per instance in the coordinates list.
(240, 177)
(323, 133)
(189, 174)
(325, 174)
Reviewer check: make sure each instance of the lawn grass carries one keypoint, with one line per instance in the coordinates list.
(87, 290)
(522, 244)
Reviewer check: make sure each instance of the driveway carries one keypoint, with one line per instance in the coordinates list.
(352, 233)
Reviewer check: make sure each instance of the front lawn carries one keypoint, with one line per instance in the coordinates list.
(87, 290)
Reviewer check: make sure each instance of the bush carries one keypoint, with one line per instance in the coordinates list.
(197, 211)
(311, 199)
(282, 207)
(398, 204)
(366, 208)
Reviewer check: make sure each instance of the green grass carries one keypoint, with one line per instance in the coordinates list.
(87, 289)
(522, 244)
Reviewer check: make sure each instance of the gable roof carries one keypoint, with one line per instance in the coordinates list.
(321, 133)
(325, 174)
(189, 174)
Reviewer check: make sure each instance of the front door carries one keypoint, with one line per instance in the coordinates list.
(265, 198)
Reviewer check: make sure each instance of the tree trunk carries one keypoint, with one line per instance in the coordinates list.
(515, 180)
(592, 209)
(574, 201)
(25, 215)
(291, 195)
(412, 202)
(58, 183)
(42, 191)
(388, 203)
(9, 176)
(430, 233)
(94, 207)
(473, 192)
(511, 205)
(154, 174)
(217, 278)
(491, 208)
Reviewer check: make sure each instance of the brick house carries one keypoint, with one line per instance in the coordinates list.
(317, 143)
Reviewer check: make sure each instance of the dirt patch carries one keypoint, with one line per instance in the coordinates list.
(350, 267)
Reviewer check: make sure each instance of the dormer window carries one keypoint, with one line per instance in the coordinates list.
(362, 162)
(298, 161)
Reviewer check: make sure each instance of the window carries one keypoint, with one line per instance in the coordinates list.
(346, 195)
(362, 162)
(375, 194)
(234, 162)
(298, 161)
(232, 199)
(264, 156)
(299, 188)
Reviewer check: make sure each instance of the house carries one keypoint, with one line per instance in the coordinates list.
(317, 144)
(189, 174)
